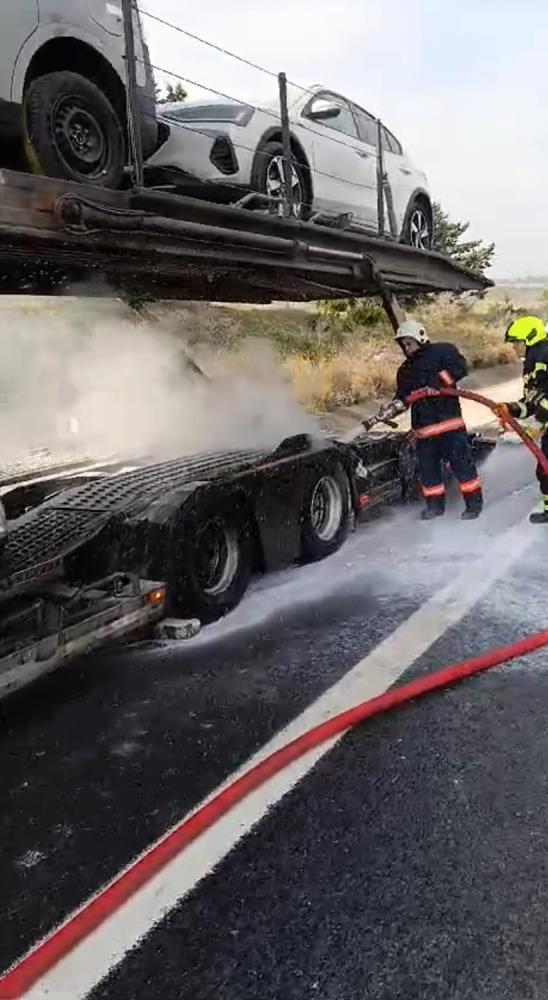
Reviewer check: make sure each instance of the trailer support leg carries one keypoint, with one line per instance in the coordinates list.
(392, 308)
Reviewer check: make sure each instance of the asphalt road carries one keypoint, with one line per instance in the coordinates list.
(409, 862)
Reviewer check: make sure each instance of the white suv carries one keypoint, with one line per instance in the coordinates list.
(62, 89)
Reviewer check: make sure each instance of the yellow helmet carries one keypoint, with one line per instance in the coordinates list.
(528, 329)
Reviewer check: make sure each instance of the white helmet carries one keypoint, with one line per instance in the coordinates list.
(410, 328)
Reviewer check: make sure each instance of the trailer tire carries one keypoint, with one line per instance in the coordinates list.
(325, 517)
(212, 562)
(72, 131)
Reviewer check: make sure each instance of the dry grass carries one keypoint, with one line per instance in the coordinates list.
(353, 374)
(328, 364)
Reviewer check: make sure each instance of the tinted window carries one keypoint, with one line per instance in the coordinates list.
(344, 122)
(393, 144)
(367, 126)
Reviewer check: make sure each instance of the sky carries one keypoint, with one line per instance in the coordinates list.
(463, 84)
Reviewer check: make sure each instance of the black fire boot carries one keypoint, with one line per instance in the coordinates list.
(435, 507)
(474, 505)
(539, 516)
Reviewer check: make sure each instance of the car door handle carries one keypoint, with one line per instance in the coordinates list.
(405, 170)
(362, 153)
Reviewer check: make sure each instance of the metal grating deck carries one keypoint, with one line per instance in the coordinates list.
(62, 524)
(118, 492)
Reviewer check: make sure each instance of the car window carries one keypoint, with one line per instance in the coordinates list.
(344, 122)
(393, 145)
(367, 126)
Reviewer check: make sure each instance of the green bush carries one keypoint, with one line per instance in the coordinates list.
(351, 314)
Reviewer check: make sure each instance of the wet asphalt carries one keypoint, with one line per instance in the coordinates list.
(409, 863)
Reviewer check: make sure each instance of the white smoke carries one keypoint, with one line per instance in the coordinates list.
(127, 387)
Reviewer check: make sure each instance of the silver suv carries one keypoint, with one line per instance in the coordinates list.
(62, 89)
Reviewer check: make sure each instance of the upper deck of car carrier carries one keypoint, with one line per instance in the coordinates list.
(147, 243)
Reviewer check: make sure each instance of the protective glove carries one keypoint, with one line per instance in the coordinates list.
(505, 410)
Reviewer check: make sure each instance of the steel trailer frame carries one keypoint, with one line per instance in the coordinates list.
(147, 244)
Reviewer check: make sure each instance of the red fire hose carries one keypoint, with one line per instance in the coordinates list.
(415, 397)
(15, 983)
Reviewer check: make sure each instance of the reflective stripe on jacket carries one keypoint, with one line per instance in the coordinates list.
(434, 366)
(534, 402)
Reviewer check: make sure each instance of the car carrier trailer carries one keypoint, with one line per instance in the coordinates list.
(110, 557)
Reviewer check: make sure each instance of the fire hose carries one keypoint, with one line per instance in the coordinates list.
(475, 397)
(21, 977)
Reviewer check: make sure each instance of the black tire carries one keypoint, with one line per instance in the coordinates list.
(72, 131)
(325, 517)
(270, 155)
(418, 229)
(211, 562)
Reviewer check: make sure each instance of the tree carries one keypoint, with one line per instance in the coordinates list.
(474, 254)
(173, 92)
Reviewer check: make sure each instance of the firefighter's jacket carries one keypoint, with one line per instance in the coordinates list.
(534, 402)
(433, 366)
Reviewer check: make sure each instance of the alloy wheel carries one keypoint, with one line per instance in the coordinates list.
(275, 187)
(419, 230)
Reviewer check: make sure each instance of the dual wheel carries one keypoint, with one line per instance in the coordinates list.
(216, 551)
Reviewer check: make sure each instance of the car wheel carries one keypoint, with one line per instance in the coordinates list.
(269, 179)
(211, 563)
(73, 132)
(418, 228)
(325, 518)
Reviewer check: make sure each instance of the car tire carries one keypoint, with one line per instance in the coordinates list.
(211, 562)
(72, 131)
(326, 515)
(268, 178)
(418, 229)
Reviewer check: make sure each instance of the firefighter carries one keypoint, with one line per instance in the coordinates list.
(531, 332)
(437, 422)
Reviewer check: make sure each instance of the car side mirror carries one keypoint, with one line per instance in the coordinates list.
(324, 111)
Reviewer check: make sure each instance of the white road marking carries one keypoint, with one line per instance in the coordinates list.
(98, 954)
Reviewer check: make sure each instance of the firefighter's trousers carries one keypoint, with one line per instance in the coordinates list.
(452, 448)
(541, 476)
